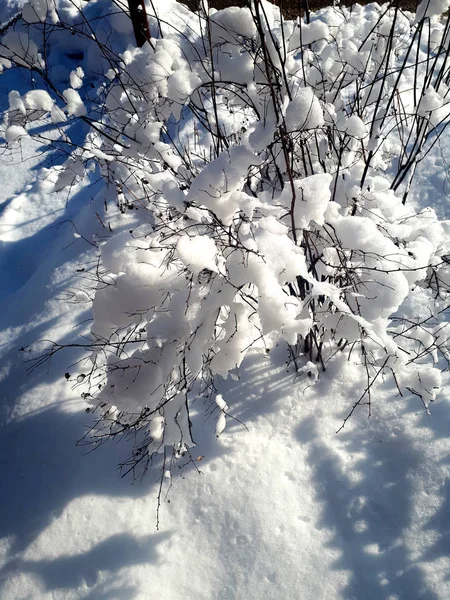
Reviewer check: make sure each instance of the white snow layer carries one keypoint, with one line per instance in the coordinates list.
(304, 112)
(197, 253)
(430, 8)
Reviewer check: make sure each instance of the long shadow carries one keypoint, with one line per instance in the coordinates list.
(258, 392)
(43, 471)
(110, 555)
(18, 376)
(369, 514)
(439, 524)
(260, 387)
(47, 248)
(19, 260)
(26, 312)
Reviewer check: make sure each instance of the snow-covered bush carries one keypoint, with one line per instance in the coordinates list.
(256, 178)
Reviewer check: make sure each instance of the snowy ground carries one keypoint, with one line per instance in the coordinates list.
(282, 509)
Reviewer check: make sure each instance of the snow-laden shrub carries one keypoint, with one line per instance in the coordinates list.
(257, 174)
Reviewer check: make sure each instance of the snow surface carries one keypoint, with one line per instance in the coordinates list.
(284, 508)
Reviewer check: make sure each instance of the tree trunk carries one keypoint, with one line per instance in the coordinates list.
(139, 19)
